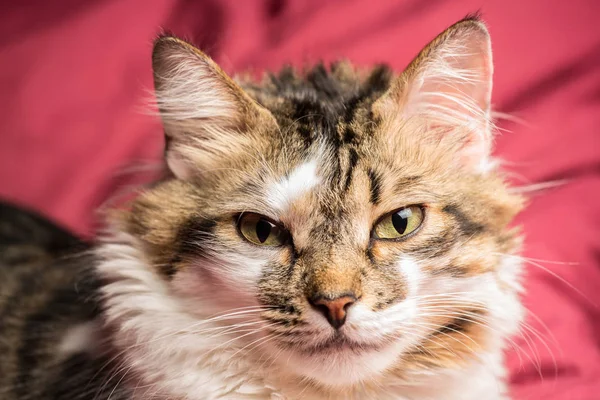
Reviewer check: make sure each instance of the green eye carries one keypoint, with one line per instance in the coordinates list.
(261, 231)
(399, 223)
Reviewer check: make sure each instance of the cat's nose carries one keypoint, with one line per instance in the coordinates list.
(333, 308)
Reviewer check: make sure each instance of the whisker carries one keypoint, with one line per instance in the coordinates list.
(254, 331)
(478, 320)
(555, 275)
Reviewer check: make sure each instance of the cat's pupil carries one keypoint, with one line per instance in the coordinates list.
(263, 230)
(400, 221)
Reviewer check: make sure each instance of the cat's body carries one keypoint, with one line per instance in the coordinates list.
(332, 234)
(50, 341)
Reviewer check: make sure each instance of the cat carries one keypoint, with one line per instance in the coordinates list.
(335, 233)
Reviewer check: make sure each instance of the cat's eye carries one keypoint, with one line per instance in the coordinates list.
(261, 231)
(399, 223)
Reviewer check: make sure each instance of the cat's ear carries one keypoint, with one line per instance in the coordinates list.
(448, 86)
(206, 115)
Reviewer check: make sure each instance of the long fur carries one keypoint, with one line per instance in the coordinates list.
(256, 269)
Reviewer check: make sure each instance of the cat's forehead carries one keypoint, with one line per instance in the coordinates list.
(325, 128)
(322, 105)
(325, 194)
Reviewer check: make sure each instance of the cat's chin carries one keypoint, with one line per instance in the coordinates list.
(340, 363)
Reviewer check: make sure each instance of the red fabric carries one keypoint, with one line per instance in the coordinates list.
(74, 76)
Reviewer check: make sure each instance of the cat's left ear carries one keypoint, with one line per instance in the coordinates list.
(207, 117)
(449, 86)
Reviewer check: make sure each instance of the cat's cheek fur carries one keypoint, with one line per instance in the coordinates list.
(163, 345)
(225, 282)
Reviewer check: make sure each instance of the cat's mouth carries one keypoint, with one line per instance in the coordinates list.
(339, 343)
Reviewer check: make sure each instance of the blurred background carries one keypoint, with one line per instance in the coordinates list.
(76, 81)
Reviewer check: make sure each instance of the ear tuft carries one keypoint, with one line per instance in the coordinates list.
(206, 115)
(449, 85)
(189, 85)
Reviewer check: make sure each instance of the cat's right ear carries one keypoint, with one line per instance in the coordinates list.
(206, 115)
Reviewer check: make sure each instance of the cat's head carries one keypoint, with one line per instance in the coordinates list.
(351, 222)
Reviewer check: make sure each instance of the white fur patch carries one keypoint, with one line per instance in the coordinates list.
(301, 180)
(411, 272)
(79, 339)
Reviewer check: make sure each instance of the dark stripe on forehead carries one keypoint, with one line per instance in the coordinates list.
(349, 135)
(352, 161)
(351, 106)
(324, 103)
(375, 180)
(376, 84)
(405, 181)
(466, 225)
(304, 118)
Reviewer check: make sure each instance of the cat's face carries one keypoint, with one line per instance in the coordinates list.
(350, 223)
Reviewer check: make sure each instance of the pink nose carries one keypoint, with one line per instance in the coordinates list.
(334, 309)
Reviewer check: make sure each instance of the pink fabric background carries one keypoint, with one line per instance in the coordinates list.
(74, 76)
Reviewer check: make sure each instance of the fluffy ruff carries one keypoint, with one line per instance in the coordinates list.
(169, 351)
